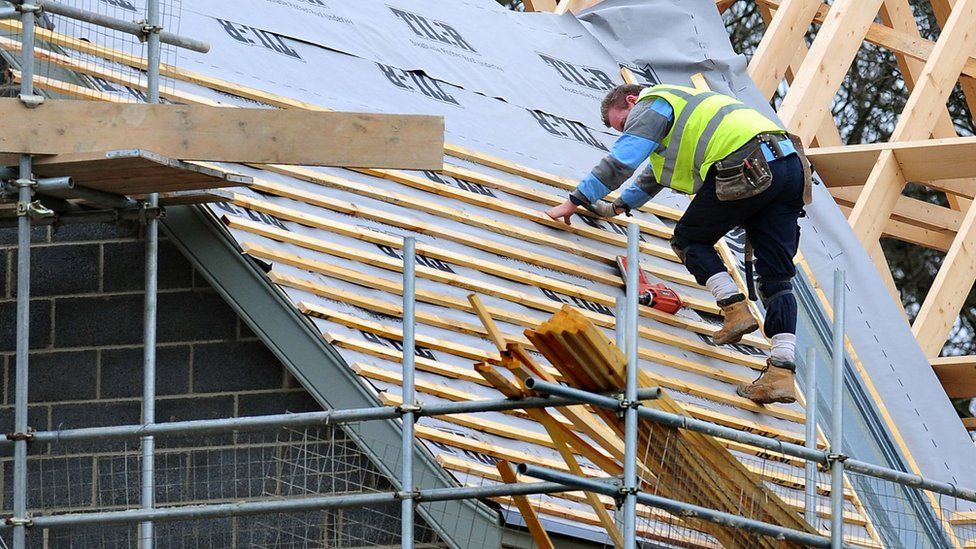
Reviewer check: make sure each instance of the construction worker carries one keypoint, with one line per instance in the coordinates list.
(744, 170)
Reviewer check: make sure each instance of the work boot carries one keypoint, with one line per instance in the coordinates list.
(738, 320)
(775, 384)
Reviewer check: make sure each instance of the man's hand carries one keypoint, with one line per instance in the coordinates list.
(603, 208)
(563, 211)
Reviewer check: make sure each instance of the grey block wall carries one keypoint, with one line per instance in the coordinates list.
(86, 371)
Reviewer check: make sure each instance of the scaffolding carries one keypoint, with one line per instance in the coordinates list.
(626, 401)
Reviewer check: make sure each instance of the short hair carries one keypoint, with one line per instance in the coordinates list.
(617, 97)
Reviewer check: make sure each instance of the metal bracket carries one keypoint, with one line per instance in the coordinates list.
(13, 521)
(148, 29)
(413, 495)
(31, 101)
(28, 8)
(831, 458)
(28, 436)
(415, 408)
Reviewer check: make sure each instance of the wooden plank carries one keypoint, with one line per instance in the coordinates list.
(894, 40)
(516, 275)
(969, 423)
(202, 132)
(923, 159)
(439, 209)
(447, 370)
(779, 44)
(270, 99)
(907, 232)
(471, 329)
(647, 227)
(917, 121)
(949, 290)
(910, 210)
(827, 134)
(605, 236)
(134, 171)
(547, 305)
(538, 533)
(494, 334)
(560, 443)
(437, 230)
(898, 15)
(539, 5)
(568, 341)
(957, 374)
(818, 79)
(97, 70)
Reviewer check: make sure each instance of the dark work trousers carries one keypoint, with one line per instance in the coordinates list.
(770, 221)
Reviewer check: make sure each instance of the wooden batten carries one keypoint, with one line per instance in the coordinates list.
(202, 132)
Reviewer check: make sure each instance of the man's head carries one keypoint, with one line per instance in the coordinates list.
(617, 104)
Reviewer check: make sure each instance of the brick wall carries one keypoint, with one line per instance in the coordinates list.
(86, 371)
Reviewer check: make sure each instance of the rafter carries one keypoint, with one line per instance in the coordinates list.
(818, 79)
(949, 290)
(783, 36)
(917, 121)
(957, 374)
(539, 5)
(891, 39)
(828, 135)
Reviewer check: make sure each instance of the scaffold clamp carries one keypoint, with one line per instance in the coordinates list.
(14, 521)
(841, 458)
(148, 29)
(407, 494)
(28, 436)
(408, 408)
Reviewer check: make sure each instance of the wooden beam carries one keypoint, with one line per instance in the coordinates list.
(200, 132)
(898, 15)
(134, 172)
(783, 36)
(912, 234)
(885, 184)
(949, 290)
(970, 424)
(827, 134)
(957, 374)
(826, 65)
(922, 160)
(909, 210)
(891, 39)
(539, 5)
(538, 533)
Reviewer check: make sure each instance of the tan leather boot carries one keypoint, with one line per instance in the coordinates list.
(775, 384)
(738, 320)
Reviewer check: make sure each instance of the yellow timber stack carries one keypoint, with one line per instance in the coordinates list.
(694, 468)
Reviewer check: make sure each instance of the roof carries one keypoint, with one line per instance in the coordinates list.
(521, 126)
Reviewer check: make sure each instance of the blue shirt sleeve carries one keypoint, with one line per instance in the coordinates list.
(646, 126)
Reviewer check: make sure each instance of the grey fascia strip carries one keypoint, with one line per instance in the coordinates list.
(319, 367)
(869, 413)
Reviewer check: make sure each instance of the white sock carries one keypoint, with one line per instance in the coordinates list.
(722, 286)
(784, 348)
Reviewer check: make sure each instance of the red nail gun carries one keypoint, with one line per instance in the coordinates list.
(658, 296)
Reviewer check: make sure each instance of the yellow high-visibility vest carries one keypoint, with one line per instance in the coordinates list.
(707, 127)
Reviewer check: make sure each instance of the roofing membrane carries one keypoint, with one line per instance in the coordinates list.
(523, 88)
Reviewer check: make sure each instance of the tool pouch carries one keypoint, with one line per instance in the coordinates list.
(742, 174)
(807, 169)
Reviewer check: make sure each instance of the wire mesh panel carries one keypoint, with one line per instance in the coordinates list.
(221, 468)
(71, 72)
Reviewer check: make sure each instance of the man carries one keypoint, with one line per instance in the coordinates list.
(744, 170)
